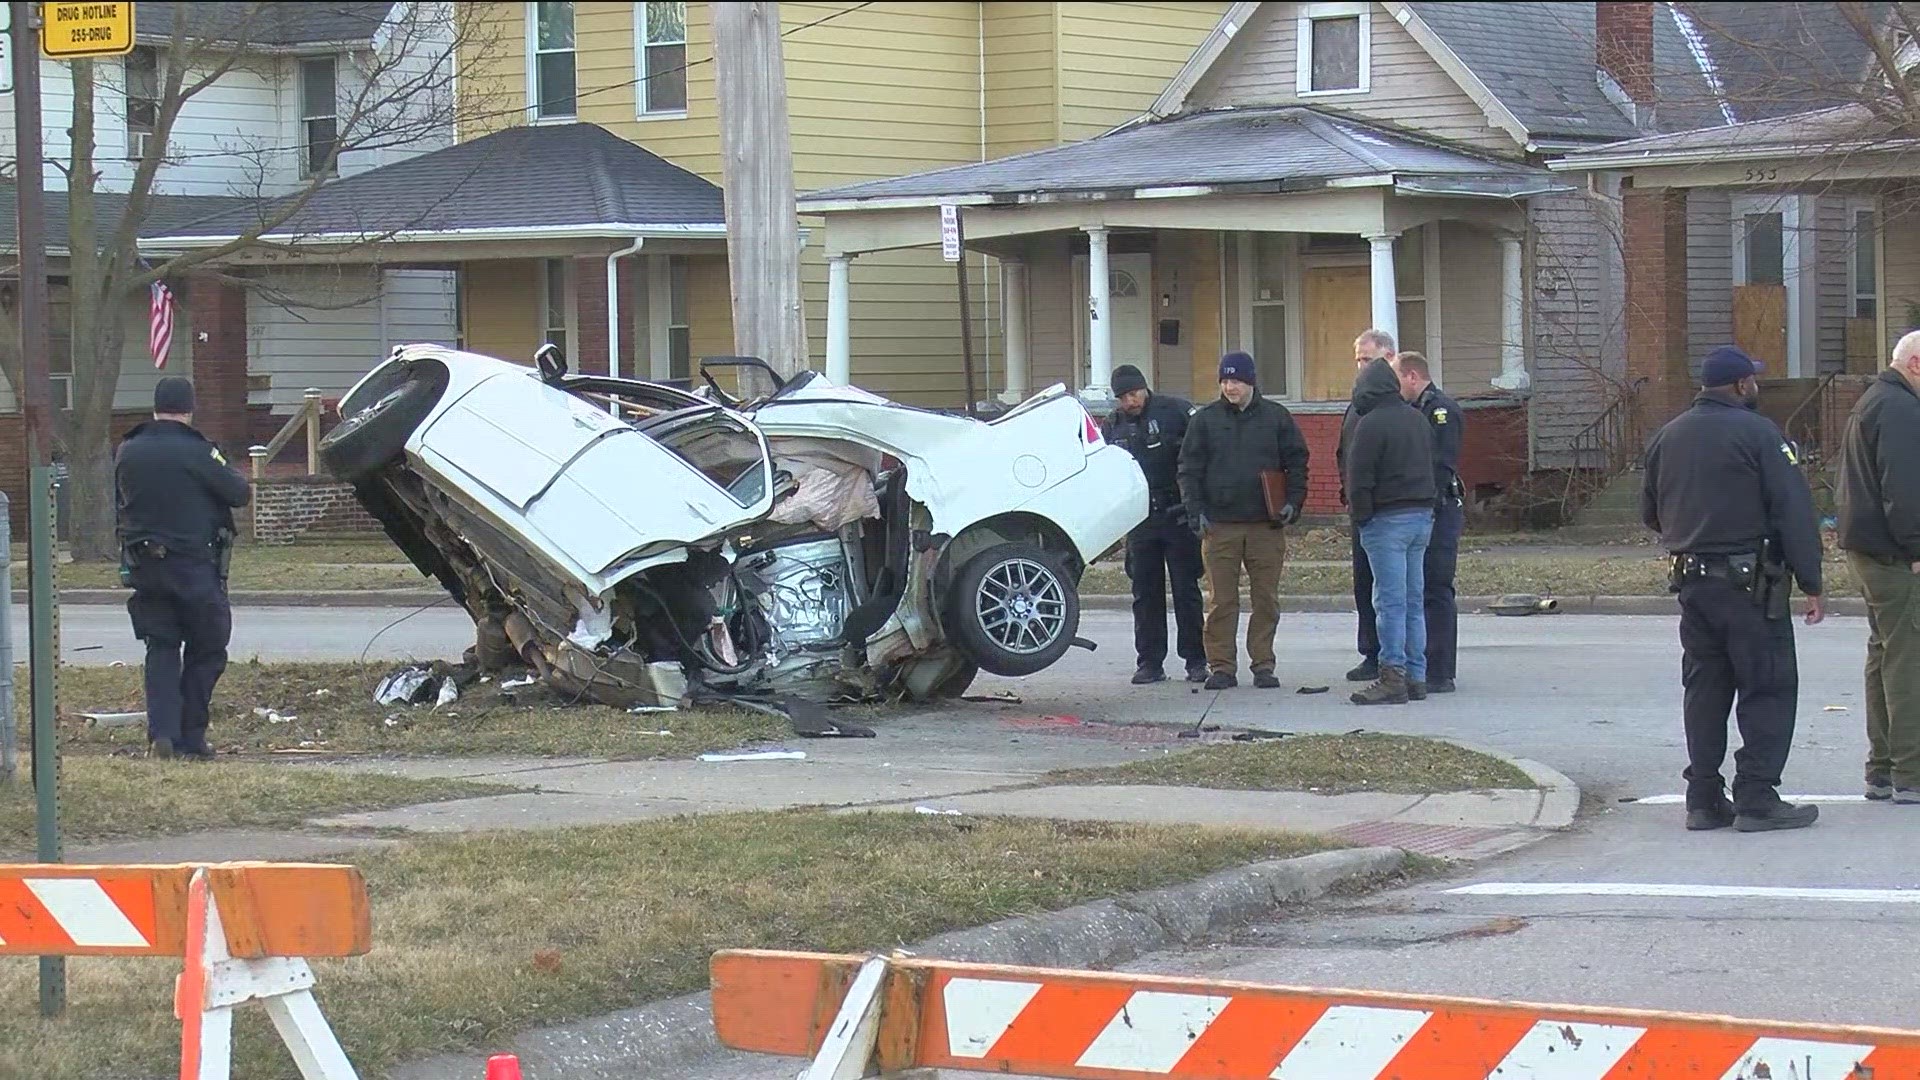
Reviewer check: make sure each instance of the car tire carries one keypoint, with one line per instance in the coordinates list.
(1014, 609)
(372, 435)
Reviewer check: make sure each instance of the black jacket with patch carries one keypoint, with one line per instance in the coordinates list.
(1390, 461)
(1880, 472)
(1720, 478)
(174, 488)
(1227, 449)
(1154, 439)
(1449, 431)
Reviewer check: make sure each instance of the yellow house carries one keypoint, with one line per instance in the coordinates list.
(875, 90)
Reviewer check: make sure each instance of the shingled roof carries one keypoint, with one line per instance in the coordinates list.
(1290, 147)
(281, 25)
(578, 179)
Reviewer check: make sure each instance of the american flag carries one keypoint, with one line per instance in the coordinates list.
(160, 324)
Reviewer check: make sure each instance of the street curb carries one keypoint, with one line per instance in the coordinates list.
(667, 1037)
(1569, 605)
(1559, 795)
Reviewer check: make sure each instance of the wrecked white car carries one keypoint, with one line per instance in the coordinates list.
(640, 544)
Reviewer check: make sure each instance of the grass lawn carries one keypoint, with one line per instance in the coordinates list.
(106, 798)
(477, 937)
(1328, 764)
(330, 707)
(373, 563)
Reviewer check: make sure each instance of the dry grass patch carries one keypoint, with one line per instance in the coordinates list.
(1326, 764)
(481, 936)
(318, 567)
(104, 798)
(330, 707)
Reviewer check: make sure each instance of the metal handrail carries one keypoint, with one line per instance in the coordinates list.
(1612, 436)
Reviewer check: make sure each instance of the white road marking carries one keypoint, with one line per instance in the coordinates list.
(1676, 891)
(1679, 800)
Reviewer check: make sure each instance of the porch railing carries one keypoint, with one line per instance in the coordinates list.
(1604, 449)
(1815, 426)
(308, 418)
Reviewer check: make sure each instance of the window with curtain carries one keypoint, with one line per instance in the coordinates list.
(662, 56)
(319, 114)
(552, 61)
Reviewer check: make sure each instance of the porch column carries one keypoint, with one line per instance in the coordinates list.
(1513, 345)
(839, 320)
(1013, 314)
(1386, 303)
(1099, 318)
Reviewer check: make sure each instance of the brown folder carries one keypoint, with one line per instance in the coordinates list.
(1273, 484)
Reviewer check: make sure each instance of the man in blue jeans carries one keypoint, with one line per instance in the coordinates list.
(1390, 487)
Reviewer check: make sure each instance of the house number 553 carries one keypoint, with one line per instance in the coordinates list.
(1757, 175)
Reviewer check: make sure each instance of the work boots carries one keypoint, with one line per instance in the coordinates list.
(1389, 689)
(1366, 671)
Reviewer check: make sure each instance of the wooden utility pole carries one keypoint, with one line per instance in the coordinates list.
(763, 226)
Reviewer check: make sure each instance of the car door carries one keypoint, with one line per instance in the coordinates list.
(593, 486)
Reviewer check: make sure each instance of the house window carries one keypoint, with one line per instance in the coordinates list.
(1267, 293)
(551, 62)
(1766, 256)
(1335, 42)
(1410, 289)
(143, 99)
(319, 115)
(661, 57)
(1864, 276)
(553, 302)
(679, 332)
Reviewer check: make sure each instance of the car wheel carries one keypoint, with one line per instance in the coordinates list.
(1014, 609)
(370, 436)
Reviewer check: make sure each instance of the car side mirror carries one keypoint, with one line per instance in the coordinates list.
(551, 362)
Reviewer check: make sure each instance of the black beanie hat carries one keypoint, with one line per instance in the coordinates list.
(173, 396)
(1127, 379)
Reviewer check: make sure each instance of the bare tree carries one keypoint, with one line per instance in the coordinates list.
(398, 95)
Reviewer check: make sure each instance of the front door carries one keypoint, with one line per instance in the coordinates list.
(1129, 305)
(1339, 305)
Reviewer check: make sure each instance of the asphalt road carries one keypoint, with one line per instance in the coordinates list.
(1627, 909)
(1750, 925)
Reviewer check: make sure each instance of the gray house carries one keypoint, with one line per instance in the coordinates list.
(1317, 168)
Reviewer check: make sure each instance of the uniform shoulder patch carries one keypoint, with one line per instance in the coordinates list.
(1793, 456)
(1440, 416)
(218, 456)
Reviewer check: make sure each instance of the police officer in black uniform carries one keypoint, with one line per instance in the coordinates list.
(1725, 493)
(1449, 517)
(1161, 550)
(177, 495)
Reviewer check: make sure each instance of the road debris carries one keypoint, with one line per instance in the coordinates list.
(997, 697)
(114, 719)
(937, 812)
(274, 716)
(405, 686)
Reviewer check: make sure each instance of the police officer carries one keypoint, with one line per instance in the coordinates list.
(1161, 550)
(1725, 493)
(1449, 515)
(177, 495)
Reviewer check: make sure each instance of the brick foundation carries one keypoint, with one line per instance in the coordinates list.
(286, 509)
(1494, 453)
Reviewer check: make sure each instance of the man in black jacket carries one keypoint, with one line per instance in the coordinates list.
(1390, 490)
(1160, 550)
(1724, 491)
(177, 495)
(1233, 447)
(1880, 531)
(1368, 347)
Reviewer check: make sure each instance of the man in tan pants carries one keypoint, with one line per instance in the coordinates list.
(1231, 446)
(1880, 532)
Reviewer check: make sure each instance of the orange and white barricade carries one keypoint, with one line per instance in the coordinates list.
(874, 1017)
(245, 931)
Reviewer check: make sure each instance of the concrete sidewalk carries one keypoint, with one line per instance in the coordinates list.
(978, 763)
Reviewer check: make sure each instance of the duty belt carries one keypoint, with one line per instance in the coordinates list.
(1741, 568)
